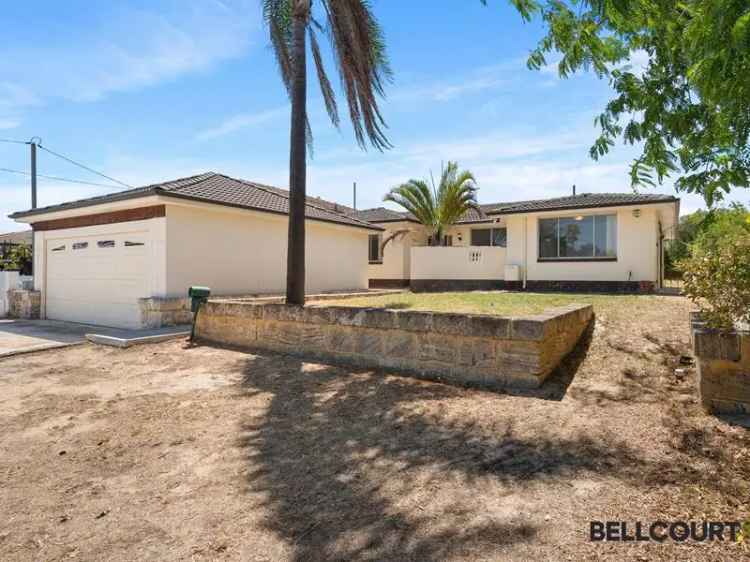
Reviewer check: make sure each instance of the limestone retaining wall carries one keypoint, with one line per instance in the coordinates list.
(157, 312)
(24, 304)
(723, 369)
(489, 351)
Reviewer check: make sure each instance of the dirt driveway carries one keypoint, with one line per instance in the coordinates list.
(167, 452)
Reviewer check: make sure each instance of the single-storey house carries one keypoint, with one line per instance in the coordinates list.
(587, 242)
(127, 259)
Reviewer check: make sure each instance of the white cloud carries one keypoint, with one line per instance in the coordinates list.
(243, 121)
(8, 123)
(481, 79)
(129, 50)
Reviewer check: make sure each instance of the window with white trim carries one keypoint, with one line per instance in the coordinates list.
(592, 237)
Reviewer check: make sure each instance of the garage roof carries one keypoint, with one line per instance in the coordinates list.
(211, 187)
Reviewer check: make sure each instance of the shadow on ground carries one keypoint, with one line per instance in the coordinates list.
(349, 464)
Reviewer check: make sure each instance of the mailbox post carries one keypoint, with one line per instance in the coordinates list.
(198, 296)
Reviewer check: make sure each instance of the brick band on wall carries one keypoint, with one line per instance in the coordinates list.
(127, 215)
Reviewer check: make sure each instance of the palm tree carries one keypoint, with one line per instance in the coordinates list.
(359, 51)
(437, 207)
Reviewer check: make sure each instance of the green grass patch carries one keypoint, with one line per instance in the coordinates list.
(490, 302)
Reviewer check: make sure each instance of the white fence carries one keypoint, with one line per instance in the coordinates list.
(458, 262)
(12, 280)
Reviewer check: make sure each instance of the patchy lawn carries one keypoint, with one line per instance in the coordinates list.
(509, 303)
(166, 452)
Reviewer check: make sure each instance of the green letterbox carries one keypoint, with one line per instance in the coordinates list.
(198, 296)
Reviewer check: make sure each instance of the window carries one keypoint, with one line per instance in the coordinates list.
(489, 237)
(106, 243)
(80, 245)
(374, 249)
(448, 240)
(581, 237)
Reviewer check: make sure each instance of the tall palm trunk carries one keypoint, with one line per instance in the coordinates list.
(295, 262)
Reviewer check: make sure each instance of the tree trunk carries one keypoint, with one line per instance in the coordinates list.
(295, 262)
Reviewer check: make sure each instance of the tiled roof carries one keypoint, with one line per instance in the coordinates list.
(582, 201)
(381, 214)
(223, 190)
(487, 211)
(16, 237)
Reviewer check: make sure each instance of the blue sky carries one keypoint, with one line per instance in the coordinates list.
(149, 90)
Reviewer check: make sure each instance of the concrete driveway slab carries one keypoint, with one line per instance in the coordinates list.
(25, 336)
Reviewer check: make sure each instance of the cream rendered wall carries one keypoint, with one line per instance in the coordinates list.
(238, 252)
(637, 247)
(397, 255)
(458, 262)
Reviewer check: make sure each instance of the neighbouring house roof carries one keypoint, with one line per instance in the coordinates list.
(23, 237)
(381, 214)
(488, 212)
(211, 187)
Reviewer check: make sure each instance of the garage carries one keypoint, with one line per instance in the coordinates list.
(97, 279)
(127, 259)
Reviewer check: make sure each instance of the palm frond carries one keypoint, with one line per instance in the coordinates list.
(329, 97)
(438, 206)
(278, 16)
(359, 50)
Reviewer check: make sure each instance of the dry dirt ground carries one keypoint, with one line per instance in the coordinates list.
(170, 452)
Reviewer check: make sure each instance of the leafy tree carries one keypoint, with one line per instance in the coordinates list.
(18, 258)
(359, 51)
(717, 278)
(718, 224)
(704, 228)
(437, 206)
(690, 108)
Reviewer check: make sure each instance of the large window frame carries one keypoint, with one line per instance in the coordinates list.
(598, 221)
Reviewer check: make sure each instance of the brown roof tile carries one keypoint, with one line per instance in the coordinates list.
(222, 190)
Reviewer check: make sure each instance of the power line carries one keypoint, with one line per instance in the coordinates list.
(84, 166)
(56, 178)
(14, 141)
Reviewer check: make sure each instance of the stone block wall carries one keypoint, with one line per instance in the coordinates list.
(157, 313)
(723, 370)
(24, 304)
(478, 350)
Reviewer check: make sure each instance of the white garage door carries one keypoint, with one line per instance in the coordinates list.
(97, 279)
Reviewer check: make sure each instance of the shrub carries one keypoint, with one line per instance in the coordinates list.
(717, 278)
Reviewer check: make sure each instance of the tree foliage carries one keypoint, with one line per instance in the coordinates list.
(703, 228)
(441, 205)
(717, 278)
(690, 106)
(17, 258)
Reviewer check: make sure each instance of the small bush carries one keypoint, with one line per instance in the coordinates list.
(717, 278)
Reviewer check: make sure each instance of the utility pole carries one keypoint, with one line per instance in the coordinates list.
(355, 195)
(32, 143)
